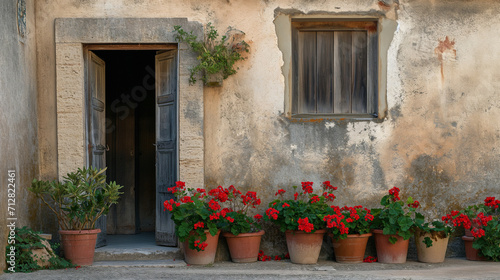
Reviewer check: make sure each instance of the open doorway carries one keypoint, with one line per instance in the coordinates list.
(130, 138)
(81, 125)
(133, 131)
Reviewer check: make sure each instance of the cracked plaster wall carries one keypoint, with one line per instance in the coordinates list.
(439, 141)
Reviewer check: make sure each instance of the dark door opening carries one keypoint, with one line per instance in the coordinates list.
(130, 136)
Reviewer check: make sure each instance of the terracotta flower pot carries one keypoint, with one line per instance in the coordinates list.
(351, 249)
(304, 247)
(434, 254)
(470, 253)
(79, 245)
(388, 252)
(244, 247)
(204, 257)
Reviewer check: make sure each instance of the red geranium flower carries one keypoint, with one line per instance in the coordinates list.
(168, 205)
(491, 202)
(250, 198)
(186, 199)
(329, 196)
(307, 187)
(219, 193)
(370, 259)
(395, 192)
(224, 211)
(481, 219)
(214, 205)
(328, 186)
(462, 220)
(199, 225)
(478, 232)
(179, 186)
(280, 191)
(272, 213)
(214, 216)
(200, 245)
(305, 225)
(234, 191)
(415, 204)
(369, 217)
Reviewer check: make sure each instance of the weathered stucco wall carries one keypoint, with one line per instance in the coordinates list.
(439, 141)
(18, 119)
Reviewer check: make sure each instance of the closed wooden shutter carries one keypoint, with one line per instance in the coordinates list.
(330, 68)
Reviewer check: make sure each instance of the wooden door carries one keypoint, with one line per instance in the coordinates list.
(166, 142)
(96, 98)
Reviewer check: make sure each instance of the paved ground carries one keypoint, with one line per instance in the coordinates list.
(161, 269)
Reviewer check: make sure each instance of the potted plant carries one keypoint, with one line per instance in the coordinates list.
(242, 231)
(431, 240)
(301, 218)
(78, 201)
(216, 57)
(350, 230)
(197, 222)
(392, 226)
(482, 229)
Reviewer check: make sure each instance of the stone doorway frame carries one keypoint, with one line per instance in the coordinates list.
(71, 37)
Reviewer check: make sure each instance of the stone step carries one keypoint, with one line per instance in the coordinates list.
(135, 247)
(110, 253)
(135, 263)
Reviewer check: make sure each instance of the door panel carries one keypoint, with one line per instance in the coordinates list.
(166, 143)
(97, 115)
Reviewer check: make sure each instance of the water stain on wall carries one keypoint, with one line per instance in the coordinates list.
(444, 49)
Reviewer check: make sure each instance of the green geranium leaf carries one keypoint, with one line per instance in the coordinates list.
(427, 241)
(393, 239)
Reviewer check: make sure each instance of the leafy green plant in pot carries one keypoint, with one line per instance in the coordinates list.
(350, 230)
(431, 240)
(241, 230)
(78, 201)
(301, 217)
(482, 229)
(393, 226)
(216, 57)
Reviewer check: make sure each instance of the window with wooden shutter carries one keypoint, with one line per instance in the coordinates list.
(334, 68)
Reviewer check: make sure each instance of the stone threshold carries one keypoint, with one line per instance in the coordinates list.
(140, 263)
(137, 247)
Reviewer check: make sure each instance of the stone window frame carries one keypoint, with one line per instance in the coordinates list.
(71, 37)
(386, 29)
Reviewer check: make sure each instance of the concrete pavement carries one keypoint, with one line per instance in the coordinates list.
(452, 268)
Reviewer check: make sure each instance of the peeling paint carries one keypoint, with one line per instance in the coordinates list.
(329, 124)
(383, 5)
